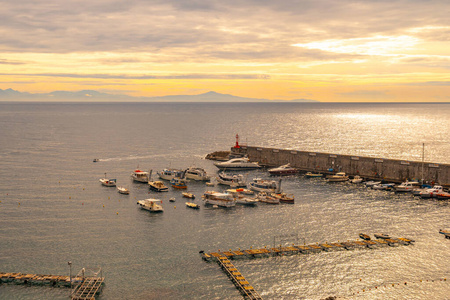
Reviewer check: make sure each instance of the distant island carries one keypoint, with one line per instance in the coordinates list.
(95, 96)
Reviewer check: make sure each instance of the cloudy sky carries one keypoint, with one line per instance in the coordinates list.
(326, 50)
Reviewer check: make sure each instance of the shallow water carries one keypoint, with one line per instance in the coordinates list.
(54, 210)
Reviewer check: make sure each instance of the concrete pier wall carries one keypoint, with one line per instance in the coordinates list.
(367, 167)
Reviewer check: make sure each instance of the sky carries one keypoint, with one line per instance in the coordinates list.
(324, 50)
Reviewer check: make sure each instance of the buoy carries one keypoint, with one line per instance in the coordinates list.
(70, 197)
(175, 207)
(83, 189)
(108, 197)
(117, 213)
(82, 203)
(103, 205)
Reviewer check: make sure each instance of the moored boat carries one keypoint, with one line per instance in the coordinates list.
(108, 182)
(406, 186)
(284, 198)
(140, 176)
(283, 170)
(262, 185)
(192, 205)
(364, 236)
(383, 186)
(219, 199)
(241, 198)
(178, 183)
(152, 205)
(188, 195)
(338, 177)
(356, 179)
(233, 180)
(267, 198)
(371, 183)
(382, 236)
(168, 174)
(123, 190)
(158, 186)
(313, 175)
(198, 174)
(432, 193)
(235, 164)
(443, 196)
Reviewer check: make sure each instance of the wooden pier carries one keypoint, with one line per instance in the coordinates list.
(248, 292)
(84, 287)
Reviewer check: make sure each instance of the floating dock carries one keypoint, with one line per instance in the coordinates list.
(35, 279)
(248, 292)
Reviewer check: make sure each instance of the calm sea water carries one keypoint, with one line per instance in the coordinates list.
(54, 210)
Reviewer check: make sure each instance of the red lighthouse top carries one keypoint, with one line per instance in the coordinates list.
(237, 142)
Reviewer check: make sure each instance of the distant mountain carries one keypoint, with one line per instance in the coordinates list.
(94, 96)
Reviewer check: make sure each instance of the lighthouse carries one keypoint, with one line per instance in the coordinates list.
(237, 142)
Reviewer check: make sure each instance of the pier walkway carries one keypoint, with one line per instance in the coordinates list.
(248, 292)
(89, 286)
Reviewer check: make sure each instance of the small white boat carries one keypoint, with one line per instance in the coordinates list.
(233, 180)
(383, 186)
(152, 205)
(158, 186)
(108, 182)
(433, 192)
(242, 163)
(407, 186)
(241, 198)
(219, 199)
(172, 199)
(356, 179)
(140, 176)
(338, 177)
(371, 183)
(283, 170)
(382, 236)
(168, 174)
(198, 174)
(188, 195)
(267, 198)
(262, 185)
(284, 198)
(123, 190)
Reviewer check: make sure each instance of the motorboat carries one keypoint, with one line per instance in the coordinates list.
(188, 195)
(364, 236)
(96, 160)
(418, 190)
(432, 193)
(443, 196)
(446, 233)
(158, 186)
(382, 236)
(108, 182)
(283, 170)
(407, 186)
(198, 174)
(140, 176)
(152, 205)
(356, 179)
(383, 186)
(242, 163)
(219, 199)
(338, 177)
(262, 185)
(267, 198)
(192, 205)
(178, 183)
(172, 199)
(168, 174)
(233, 180)
(283, 197)
(371, 183)
(242, 198)
(123, 190)
(313, 175)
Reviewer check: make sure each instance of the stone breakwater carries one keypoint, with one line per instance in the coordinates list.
(391, 170)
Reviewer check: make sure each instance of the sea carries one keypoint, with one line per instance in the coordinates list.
(54, 210)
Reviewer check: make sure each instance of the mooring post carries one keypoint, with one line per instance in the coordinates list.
(70, 273)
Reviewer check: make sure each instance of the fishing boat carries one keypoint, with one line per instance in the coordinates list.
(242, 198)
(267, 198)
(140, 176)
(158, 186)
(123, 190)
(198, 174)
(432, 193)
(152, 205)
(406, 186)
(382, 236)
(233, 180)
(192, 205)
(108, 182)
(313, 175)
(262, 185)
(168, 174)
(338, 177)
(235, 164)
(178, 183)
(283, 197)
(219, 199)
(364, 236)
(356, 179)
(283, 170)
(188, 195)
